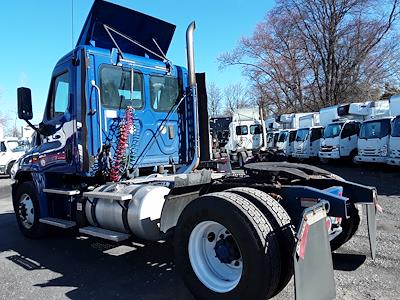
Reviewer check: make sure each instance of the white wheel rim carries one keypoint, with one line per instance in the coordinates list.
(26, 211)
(210, 270)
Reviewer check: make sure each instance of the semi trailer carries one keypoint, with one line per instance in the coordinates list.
(116, 157)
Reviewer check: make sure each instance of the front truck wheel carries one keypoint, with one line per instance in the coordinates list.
(27, 211)
(225, 248)
(281, 224)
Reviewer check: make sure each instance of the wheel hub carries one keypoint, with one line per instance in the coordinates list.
(226, 250)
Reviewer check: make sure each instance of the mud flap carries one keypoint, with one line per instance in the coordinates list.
(371, 224)
(313, 267)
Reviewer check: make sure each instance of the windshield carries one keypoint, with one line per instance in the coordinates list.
(121, 88)
(302, 135)
(396, 127)
(332, 130)
(255, 129)
(282, 136)
(375, 129)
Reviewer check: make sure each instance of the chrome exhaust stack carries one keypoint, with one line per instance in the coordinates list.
(190, 53)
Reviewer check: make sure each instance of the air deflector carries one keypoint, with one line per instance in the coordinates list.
(138, 26)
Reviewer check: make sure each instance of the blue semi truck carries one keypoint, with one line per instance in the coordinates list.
(117, 157)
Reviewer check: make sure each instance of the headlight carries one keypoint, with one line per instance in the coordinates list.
(384, 150)
(335, 148)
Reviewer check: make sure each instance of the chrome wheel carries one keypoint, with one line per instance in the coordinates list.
(26, 211)
(215, 257)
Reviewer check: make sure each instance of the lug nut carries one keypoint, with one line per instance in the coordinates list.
(211, 237)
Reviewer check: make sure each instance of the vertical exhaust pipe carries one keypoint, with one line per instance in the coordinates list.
(190, 53)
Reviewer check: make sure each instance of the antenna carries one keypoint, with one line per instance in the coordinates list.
(72, 23)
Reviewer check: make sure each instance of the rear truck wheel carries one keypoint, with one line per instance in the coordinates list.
(353, 155)
(349, 228)
(9, 167)
(240, 160)
(27, 211)
(225, 248)
(323, 160)
(282, 227)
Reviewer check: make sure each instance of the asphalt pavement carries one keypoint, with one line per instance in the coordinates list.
(68, 266)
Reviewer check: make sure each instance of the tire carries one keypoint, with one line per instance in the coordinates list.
(349, 228)
(240, 160)
(9, 167)
(353, 155)
(324, 161)
(253, 236)
(29, 226)
(281, 224)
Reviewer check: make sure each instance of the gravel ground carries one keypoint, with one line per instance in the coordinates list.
(69, 267)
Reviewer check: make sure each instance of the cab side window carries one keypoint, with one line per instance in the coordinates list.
(350, 129)
(242, 130)
(316, 134)
(2, 147)
(60, 96)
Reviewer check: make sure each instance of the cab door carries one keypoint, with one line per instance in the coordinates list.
(349, 138)
(59, 123)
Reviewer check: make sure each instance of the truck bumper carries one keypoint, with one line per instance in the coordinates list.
(330, 155)
(394, 161)
(3, 170)
(371, 159)
(301, 155)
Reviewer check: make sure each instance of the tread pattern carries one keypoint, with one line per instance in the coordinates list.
(264, 229)
(281, 223)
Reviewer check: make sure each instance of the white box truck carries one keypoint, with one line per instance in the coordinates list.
(308, 137)
(289, 124)
(373, 140)
(341, 128)
(394, 139)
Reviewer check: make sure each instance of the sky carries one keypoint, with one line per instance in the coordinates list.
(35, 34)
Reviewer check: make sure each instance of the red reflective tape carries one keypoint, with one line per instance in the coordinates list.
(303, 242)
(328, 223)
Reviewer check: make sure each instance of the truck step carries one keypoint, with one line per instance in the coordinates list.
(62, 192)
(104, 233)
(108, 196)
(65, 224)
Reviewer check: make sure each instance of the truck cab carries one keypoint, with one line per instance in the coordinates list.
(10, 151)
(340, 140)
(373, 141)
(286, 141)
(272, 139)
(244, 136)
(394, 143)
(307, 142)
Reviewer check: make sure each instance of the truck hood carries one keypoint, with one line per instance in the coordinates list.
(139, 27)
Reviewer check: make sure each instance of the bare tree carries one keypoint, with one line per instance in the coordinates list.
(308, 54)
(236, 97)
(214, 96)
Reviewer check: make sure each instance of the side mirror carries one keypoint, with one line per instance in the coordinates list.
(24, 103)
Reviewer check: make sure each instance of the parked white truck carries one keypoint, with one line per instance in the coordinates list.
(289, 124)
(394, 140)
(245, 135)
(308, 137)
(373, 140)
(10, 152)
(341, 128)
